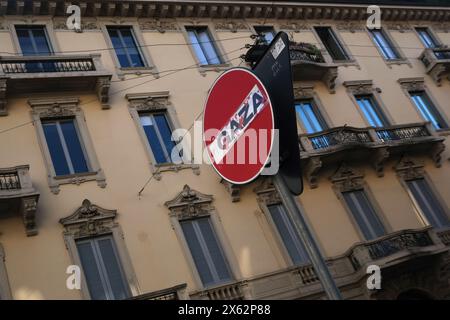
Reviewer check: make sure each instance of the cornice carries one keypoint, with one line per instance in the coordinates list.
(222, 10)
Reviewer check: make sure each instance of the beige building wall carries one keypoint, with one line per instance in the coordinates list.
(36, 266)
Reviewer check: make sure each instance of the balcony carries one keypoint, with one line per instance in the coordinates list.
(371, 144)
(309, 64)
(437, 63)
(17, 196)
(173, 293)
(307, 61)
(36, 74)
(231, 291)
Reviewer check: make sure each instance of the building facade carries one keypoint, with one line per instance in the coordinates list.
(86, 177)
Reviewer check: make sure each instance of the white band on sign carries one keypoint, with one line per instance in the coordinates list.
(252, 105)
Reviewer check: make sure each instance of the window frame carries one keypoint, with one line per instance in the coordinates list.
(116, 254)
(366, 87)
(100, 222)
(149, 66)
(268, 195)
(409, 169)
(351, 58)
(255, 26)
(150, 102)
(57, 121)
(388, 36)
(203, 69)
(35, 21)
(418, 84)
(431, 33)
(347, 179)
(202, 203)
(58, 108)
(307, 92)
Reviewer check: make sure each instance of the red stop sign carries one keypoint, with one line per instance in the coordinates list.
(238, 126)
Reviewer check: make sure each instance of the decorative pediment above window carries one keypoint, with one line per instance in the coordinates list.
(55, 107)
(267, 193)
(158, 25)
(304, 92)
(190, 204)
(347, 178)
(89, 220)
(359, 87)
(412, 84)
(409, 169)
(149, 101)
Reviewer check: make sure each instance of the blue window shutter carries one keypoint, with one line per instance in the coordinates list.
(288, 234)
(372, 112)
(74, 146)
(364, 214)
(197, 253)
(91, 270)
(56, 151)
(428, 110)
(428, 203)
(149, 126)
(214, 249)
(125, 46)
(385, 45)
(165, 132)
(310, 116)
(113, 269)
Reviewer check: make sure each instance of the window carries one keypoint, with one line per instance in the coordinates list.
(268, 33)
(102, 268)
(428, 40)
(33, 40)
(203, 45)
(206, 251)
(372, 111)
(364, 214)
(429, 206)
(288, 234)
(125, 46)
(66, 151)
(332, 43)
(428, 110)
(310, 116)
(384, 44)
(159, 136)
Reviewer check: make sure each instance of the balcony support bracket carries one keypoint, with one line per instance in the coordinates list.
(3, 110)
(312, 170)
(28, 206)
(378, 160)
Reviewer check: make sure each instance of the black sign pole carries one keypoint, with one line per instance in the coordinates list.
(274, 70)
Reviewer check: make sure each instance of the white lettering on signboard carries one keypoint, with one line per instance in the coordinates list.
(252, 105)
(278, 48)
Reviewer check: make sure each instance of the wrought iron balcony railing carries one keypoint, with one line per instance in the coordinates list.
(376, 144)
(30, 74)
(17, 195)
(437, 62)
(307, 63)
(47, 64)
(9, 181)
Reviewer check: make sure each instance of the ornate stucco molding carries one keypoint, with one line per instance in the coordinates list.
(224, 10)
(232, 26)
(89, 220)
(409, 169)
(347, 179)
(233, 189)
(189, 204)
(158, 25)
(267, 193)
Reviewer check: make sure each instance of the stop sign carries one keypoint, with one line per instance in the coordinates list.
(238, 126)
